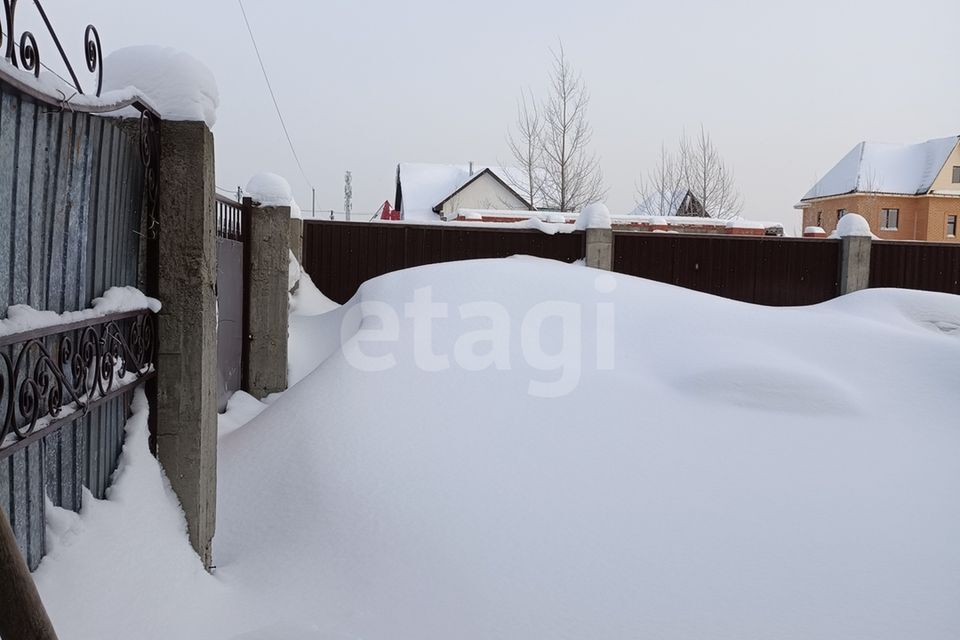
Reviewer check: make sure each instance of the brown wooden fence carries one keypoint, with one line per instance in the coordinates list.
(762, 270)
(340, 256)
(915, 265)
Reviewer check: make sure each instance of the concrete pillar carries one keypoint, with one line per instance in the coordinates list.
(187, 359)
(600, 249)
(296, 238)
(269, 247)
(854, 263)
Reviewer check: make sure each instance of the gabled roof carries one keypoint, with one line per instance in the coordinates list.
(872, 167)
(423, 186)
(487, 171)
(681, 202)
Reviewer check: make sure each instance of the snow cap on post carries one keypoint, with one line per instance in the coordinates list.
(853, 225)
(175, 83)
(594, 216)
(271, 190)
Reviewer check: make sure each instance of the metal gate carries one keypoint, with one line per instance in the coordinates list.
(77, 204)
(232, 268)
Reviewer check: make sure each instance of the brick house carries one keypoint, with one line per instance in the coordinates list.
(906, 192)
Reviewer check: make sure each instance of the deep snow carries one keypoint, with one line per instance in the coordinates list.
(735, 472)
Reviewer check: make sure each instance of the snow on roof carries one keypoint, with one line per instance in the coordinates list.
(426, 185)
(875, 167)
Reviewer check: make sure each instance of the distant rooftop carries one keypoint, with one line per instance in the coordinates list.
(874, 167)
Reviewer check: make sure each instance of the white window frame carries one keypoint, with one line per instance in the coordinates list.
(954, 234)
(885, 220)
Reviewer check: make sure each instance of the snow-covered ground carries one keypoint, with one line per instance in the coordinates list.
(631, 460)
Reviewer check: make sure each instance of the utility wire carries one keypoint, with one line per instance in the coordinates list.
(273, 96)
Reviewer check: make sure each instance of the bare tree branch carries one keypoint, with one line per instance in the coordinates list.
(526, 148)
(659, 192)
(572, 176)
(708, 177)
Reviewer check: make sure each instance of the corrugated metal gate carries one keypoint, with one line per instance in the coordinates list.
(232, 222)
(73, 194)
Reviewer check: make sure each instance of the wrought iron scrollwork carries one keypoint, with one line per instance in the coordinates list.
(150, 158)
(54, 373)
(24, 53)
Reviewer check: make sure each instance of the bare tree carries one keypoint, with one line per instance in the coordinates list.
(572, 177)
(708, 177)
(527, 150)
(657, 194)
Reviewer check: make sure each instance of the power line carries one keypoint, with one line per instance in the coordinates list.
(272, 95)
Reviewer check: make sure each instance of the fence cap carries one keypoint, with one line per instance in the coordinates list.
(178, 85)
(272, 190)
(594, 216)
(853, 225)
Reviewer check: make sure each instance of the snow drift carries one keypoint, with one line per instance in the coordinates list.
(734, 471)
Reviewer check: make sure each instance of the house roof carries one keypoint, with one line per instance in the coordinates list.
(664, 204)
(475, 176)
(874, 167)
(422, 187)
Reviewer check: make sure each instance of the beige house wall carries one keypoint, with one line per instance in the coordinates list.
(944, 180)
(485, 192)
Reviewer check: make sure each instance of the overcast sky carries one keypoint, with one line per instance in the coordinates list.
(785, 89)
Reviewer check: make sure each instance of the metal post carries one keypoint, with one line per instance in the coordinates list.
(22, 615)
(246, 214)
(313, 202)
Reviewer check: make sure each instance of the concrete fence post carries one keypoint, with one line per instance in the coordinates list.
(269, 247)
(296, 238)
(599, 254)
(854, 263)
(187, 325)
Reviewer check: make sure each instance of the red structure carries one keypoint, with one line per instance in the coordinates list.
(388, 213)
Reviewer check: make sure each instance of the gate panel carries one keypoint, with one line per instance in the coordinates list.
(71, 205)
(229, 317)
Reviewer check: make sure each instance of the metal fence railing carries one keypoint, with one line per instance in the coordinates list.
(229, 218)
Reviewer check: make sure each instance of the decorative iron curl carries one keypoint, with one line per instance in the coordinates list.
(53, 375)
(24, 52)
(29, 54)
(149, 156)
(91, 46)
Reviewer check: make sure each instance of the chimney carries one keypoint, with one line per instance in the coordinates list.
(471, 167)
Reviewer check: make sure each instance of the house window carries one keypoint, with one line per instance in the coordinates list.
(951, 226)
(956, 175)
(820, 219)
(889, 219)
(840, 213)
